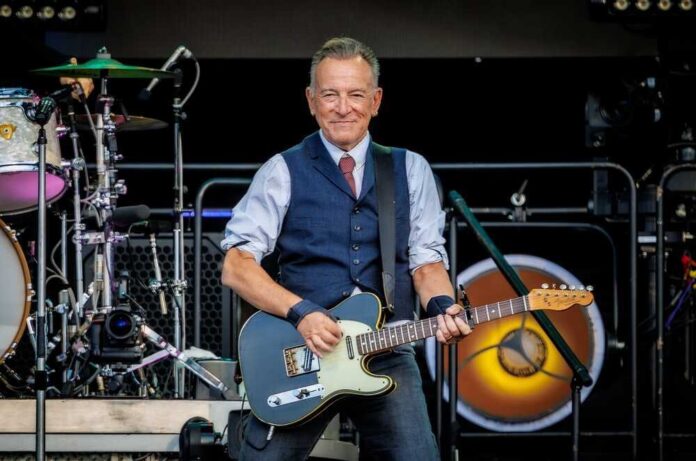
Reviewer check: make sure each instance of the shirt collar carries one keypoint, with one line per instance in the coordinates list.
(359, 152)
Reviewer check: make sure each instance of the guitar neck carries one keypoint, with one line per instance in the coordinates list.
(391, 337)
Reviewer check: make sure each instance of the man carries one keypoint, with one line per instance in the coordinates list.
(317, 204)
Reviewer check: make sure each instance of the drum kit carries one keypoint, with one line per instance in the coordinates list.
(95, 332)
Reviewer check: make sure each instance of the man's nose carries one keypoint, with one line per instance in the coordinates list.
(343, 106)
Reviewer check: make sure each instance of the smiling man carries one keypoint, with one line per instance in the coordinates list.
(316, 204)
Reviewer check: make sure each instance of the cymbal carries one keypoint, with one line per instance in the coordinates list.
(123, 123)
(101, 67)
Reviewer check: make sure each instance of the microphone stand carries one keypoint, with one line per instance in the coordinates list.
(41, 377)
(179, 284)
(581, 377)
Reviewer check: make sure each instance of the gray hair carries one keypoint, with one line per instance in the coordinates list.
(343, 48)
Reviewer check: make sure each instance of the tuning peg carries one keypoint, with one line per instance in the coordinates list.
(545, 286)
(563, 286)
(589, 288)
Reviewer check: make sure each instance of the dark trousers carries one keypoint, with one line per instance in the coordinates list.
(392, 427)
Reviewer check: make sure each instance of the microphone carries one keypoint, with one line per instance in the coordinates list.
(47, 104)
(180, 52)
(159, 290)
(44, 110)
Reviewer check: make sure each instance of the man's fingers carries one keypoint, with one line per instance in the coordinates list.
(312, 347)
(320, 345)
(464, 327)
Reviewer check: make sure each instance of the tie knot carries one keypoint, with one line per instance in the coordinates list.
(346, 164)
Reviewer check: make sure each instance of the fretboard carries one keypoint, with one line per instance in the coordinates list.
(387, 338)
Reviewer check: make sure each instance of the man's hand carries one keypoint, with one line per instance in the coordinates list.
(320, 332)
(451, 329)
(86, 83)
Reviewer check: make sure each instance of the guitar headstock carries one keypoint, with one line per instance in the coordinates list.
(559, 299)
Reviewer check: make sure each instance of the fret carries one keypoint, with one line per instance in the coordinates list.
(524, 301)
(430, 325)
(412, 329)
(372, 342)
(422, 324)
(379, 340)
(476, 314)
(512, 309)
(500, 314)
(488, 317)
(401, 329)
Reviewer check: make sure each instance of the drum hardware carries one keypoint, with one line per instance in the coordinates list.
(123, 122)
(68, 342)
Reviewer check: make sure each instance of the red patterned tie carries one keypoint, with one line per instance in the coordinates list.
(347, 164)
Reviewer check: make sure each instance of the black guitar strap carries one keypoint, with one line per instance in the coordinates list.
(384, 185)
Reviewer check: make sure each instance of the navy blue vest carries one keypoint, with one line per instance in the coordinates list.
(329, 243)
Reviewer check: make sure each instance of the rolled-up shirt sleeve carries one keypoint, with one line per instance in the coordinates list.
(427, 219)
(258, 217)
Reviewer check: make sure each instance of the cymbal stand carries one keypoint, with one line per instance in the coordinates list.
(76, 166)
(179, 284)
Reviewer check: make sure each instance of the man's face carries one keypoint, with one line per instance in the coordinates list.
(344, 100)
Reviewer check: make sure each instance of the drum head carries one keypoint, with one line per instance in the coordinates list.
(511, 378)
(15, 290)
(19, 171)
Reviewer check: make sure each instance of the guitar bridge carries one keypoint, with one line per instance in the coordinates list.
(299, 360)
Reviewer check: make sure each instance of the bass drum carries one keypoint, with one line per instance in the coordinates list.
(15, 292)
(511, 378)
(19, 170)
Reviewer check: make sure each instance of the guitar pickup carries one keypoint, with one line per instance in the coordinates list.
(299, 360)
(295, 395)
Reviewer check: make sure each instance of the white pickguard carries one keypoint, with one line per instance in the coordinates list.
(340, 374)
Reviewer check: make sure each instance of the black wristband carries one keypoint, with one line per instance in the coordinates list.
(301, 309)
(438, 304)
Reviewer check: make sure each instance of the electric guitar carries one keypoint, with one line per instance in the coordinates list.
(287, 384)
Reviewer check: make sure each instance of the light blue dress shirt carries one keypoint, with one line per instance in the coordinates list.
(258, 217)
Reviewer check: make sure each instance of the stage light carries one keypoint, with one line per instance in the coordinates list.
(68, 13)
(664, 5)
(45, 13)
(71, 15)
(25, 12)
(621, 5)
(641, 10)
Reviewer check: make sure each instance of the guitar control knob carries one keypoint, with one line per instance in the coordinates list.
(545, 286)
(589, 288)
(563, 286)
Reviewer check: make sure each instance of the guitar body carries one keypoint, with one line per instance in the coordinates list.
(287, 385)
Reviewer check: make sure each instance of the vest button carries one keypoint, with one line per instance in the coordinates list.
(356, 210)
(355, 247)
(345, 294)
(356, 261)
(357, 228)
